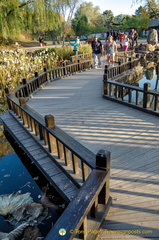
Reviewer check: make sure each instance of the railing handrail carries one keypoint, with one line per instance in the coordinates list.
(73, 219)
(95, 187)
(146, 101)
(153, 92)
(49, 75)
(96, 182)
(55, 131)
(117, 70)
(27, 115)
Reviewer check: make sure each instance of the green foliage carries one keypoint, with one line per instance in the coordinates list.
(149, 8)
(108, 19)
(81, 26)
(86, 19)
(33, 16)
(139, 23)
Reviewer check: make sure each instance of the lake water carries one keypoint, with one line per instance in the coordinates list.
(20, 175)
(151, 76)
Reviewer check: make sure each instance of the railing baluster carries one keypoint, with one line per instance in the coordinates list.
(83, 229)
(146, 96)
(84, 171)
(137, 98)
(75, 163)
(129, 95)
(36, 128)
(156, 103)
(94, 209)
(59, 150)
(67, 156)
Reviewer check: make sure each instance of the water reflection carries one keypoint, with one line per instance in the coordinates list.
(150, 75)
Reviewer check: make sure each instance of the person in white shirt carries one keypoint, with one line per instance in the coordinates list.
(125, 44)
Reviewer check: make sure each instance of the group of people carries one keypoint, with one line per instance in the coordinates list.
(110, 47)
(119, 35)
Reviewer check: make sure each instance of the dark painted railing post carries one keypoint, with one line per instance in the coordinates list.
(79, 65)
(105, 87)
(106, 69)
(37, 81)
(26, 93)
(36, 74)
(103, 163)
(49, 123)
(7, 92)
(64, 69)
(45, 70)
(106, 72)
(119, 67)
(22, 102)
(130, 62)
(146, 96)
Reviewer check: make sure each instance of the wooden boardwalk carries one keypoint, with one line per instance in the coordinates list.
(131, 136)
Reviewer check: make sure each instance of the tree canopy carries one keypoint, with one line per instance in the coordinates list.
(57, 18)
(35, 16)
(137, 22)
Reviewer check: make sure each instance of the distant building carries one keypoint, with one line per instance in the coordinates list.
(154, 24)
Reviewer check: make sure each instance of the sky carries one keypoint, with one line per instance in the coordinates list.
(116, 6)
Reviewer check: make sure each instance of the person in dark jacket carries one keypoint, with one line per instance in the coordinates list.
(97, 52)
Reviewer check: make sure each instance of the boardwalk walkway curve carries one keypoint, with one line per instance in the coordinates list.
(68, 166)
(131, 136)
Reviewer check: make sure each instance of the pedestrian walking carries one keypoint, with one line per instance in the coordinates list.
(125, 44)
(41, 40)
(76, 45)
(136, 36)
(97, 52)
(111, 49)
(131, 37)
(121, 36)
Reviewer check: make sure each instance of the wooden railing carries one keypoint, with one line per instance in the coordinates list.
(115, 71)
(59, 144)
(140, 98)
(90, 172)
(30, 87)
(82, 56)
(74, 222)
(93, 196)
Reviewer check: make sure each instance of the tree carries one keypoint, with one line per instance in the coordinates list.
(141, 11)
(35, 16)
(108, 19)
(66, 9)
(150, 7)
(139, 23)
(81, 26)
(87, 9)
(86, 19)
